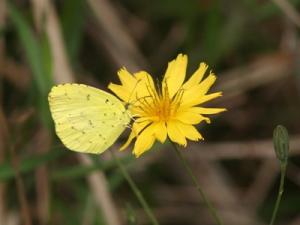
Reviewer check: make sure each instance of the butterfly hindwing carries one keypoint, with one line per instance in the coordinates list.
(87, 119)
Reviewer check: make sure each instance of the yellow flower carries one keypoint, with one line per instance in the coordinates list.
(170, 110)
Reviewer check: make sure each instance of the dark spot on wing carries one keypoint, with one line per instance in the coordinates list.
(88, 97)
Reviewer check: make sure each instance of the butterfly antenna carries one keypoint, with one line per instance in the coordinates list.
(132, 92)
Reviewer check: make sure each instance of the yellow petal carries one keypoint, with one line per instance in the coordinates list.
(127, 80)
(145, 86)
(144, 93)
(196, 77)
(207, 111)
(128, 142)
(209, 97)
(161, 131)
(120, 91)
(144, 141)
(197, 91)
(200, 100)
(190, 117)
(137, 127)
(175, 75)
(207, 83)
(190, 132)
(175, 134)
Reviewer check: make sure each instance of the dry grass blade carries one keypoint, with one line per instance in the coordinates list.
(42, 144)
(44, 9)
(100, 191)
(63, 74)
(222, 193)
(240, 150)
(289, 11)
(114, 37)
(262, 71)
(260, 187)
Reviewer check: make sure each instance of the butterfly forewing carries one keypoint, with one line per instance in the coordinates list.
(87, 119)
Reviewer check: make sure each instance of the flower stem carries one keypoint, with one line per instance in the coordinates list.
(188, 169)
(135, 190)
(280, 192)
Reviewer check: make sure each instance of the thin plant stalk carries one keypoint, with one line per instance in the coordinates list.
(25, 212)
(135, 189)
(280, 192)
(188, 169)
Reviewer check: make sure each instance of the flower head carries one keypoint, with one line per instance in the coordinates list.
(171, 110)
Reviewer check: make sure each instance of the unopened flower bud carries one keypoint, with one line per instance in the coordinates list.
(281, 143)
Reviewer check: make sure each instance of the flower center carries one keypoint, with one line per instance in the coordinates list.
(158, 105)
(164, 109)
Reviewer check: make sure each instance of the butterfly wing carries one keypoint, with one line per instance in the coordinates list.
(87, 119)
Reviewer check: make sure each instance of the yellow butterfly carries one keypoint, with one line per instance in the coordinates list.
(87, 119)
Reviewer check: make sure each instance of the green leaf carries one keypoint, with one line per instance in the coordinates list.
(72, 26)
(32, 48)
